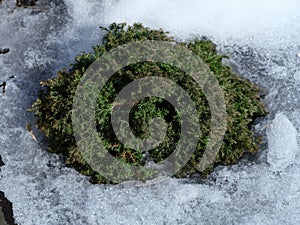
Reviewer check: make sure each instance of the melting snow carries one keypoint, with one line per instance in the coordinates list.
(262, 38)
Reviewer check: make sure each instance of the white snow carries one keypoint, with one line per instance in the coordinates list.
(262, 38)
(242, 21)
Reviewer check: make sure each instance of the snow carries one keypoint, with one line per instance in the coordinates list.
(261, 37)
(244, 22)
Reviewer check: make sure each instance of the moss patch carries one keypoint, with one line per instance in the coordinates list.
(54, 105)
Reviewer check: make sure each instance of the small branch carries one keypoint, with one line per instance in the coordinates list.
(28, 127)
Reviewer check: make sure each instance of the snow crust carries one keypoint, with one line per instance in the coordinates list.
(262, 39)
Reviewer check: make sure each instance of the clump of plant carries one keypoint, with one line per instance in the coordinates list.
(53, 108)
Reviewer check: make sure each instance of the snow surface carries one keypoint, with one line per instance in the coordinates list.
(262, 38)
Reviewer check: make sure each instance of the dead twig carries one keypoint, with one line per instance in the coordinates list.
(28, 127)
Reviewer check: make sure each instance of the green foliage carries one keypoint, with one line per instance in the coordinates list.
(54, 106)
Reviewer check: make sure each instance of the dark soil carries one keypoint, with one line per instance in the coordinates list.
(25, 3)
(1, 162)
(6, 211)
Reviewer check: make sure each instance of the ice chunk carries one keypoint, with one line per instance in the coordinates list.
(297, 75)
(282, 139)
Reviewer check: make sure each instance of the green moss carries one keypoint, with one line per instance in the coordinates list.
(54, 105)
